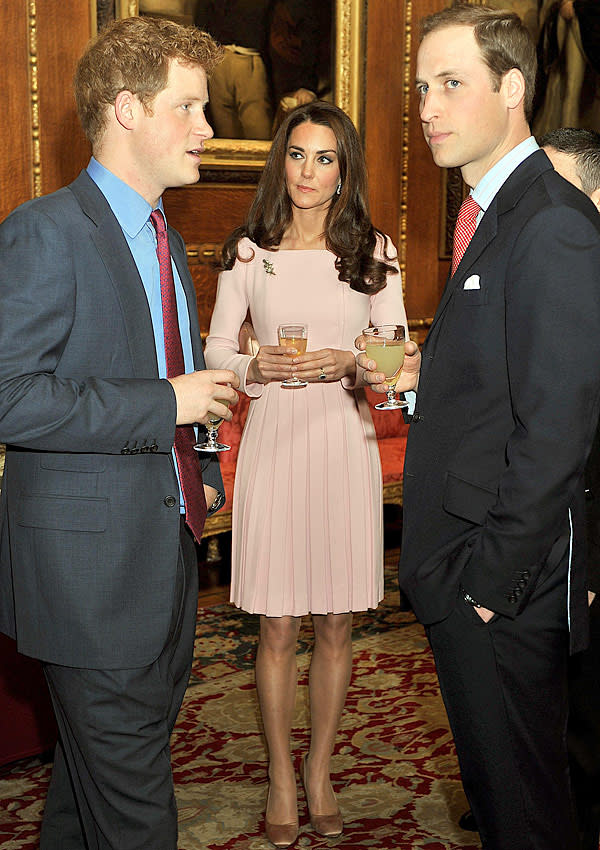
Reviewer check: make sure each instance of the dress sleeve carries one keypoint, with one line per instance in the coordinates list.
(387, 305)
(222, 349)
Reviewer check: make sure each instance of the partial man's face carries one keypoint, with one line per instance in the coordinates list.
(565, 164)
(465, 122)
(169, 137)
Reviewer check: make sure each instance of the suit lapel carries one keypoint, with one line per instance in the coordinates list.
(112, 247)
(506, 199)
(485, 233)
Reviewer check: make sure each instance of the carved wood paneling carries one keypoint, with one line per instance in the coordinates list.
(41, 42)
(63, 30)
(207, 213)
(426, 273)
(16, 176)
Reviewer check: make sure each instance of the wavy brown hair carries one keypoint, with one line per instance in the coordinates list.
(349, 233)
(134, 54)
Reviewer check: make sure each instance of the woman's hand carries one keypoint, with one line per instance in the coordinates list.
(409, 376)
(272, 363)
(331, 362)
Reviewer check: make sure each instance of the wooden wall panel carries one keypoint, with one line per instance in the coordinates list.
(207, 212)
(426, 273)
(405, 191)
(384, 113)
(16, 176)
(63, 30)
(42, 40)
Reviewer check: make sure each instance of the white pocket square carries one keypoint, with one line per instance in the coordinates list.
(472, 282)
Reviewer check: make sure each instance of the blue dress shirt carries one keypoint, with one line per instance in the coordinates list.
(133, 214)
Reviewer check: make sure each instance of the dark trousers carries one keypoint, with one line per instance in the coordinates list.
(584, 733)
(504, 685)
(112, 786)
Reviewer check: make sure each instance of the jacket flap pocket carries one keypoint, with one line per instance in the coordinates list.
(73, 462)
(467, 500)
(63, 513)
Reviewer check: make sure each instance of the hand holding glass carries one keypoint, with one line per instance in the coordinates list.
(385, 345)
(210, 443)
(293, 336)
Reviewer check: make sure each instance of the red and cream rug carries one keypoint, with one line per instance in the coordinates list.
(395, 768)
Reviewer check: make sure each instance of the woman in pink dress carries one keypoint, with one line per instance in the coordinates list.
(307, 507)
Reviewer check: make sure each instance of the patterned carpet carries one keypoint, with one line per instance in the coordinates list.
(395, 769)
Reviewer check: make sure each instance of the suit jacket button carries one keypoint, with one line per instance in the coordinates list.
(512, 599)
(170, 501)
(416, 417)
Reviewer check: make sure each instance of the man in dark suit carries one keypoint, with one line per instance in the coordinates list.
(505, 413)
(575, 154)
(102, 488)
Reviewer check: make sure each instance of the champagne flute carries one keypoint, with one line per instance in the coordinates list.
(210, 443)
(385, 345)
(293, 336)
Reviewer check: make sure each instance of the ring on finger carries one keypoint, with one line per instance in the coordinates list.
(322, 375)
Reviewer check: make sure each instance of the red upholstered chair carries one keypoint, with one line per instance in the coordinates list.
(27, 725)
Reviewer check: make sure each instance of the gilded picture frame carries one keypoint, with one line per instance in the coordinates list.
(348, 74)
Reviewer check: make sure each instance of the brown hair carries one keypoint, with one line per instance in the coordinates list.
(133, 54)
(503, 40)
(349, 233)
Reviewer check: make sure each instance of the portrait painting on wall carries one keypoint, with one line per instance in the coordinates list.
(567, 34)
(279, 55)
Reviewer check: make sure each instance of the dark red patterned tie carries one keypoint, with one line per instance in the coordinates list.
(466, 224)
(190, 475)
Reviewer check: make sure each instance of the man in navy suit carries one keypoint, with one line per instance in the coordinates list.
(575, 154)
(98, 568)
(506, 409)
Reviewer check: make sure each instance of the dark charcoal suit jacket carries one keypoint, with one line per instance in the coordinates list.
(507, 406)
(90, 536)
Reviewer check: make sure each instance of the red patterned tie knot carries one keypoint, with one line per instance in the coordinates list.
(466, 224)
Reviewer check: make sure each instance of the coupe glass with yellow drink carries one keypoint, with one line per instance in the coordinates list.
(385, 345)
(293, 336)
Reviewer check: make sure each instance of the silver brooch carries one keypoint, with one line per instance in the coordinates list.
(269, 268)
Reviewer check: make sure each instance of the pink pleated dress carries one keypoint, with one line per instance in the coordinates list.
(307, 508)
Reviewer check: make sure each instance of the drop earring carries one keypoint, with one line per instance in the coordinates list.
(338, 191)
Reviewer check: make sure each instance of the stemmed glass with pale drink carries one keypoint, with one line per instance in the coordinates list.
(293, 336)
(210, 443)
(385, 345)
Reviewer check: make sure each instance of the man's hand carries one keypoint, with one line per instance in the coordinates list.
(200, 394)
(409, 376)
(210, 494)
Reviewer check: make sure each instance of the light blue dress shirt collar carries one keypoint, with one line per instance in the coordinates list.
(491, 183)
(130, 209)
